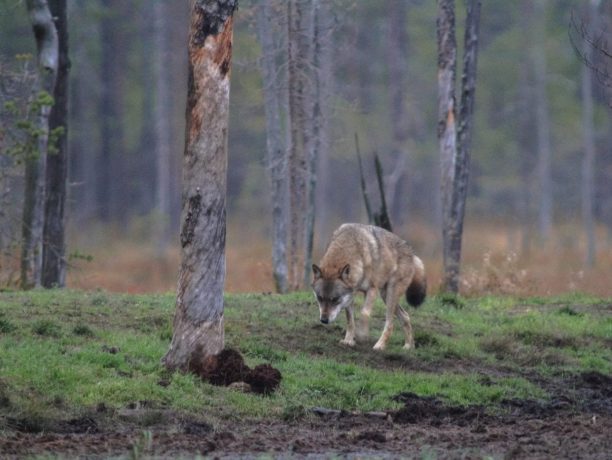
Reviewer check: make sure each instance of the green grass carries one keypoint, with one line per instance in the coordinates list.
(66, 352)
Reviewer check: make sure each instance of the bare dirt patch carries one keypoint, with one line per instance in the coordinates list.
(575, 423)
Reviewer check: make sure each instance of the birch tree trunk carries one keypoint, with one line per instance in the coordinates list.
(35, 165)
(54, 244)
(542, 124)
(163, 105)
(276, 159)
(588, 159)
(455, 142)
(198, 322)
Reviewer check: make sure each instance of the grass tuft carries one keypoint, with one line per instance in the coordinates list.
(47, 328)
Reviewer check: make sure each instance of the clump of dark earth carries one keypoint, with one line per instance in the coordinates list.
(222, 369)
(431, 410)
(264, 379)
(228, 367)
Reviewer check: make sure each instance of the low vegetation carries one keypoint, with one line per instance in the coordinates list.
(69, 353)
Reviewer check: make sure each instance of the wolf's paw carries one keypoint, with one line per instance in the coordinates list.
(349, 342)
(408, 346)
(380, 346)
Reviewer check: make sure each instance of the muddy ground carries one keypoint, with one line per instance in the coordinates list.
(575, 423)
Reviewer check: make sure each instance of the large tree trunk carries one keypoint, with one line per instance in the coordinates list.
(545, 211)
(198, 322)
(588, 159)
(276, 159)
(162, 125)
(54, 244)
(455, 142)
(35, 165)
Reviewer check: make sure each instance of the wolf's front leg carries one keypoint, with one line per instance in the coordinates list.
(349, 338)
(366, 312)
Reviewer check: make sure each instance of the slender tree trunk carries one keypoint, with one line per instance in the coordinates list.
(162, 124)
(316, 143)
(35, 165)
(588, 159)
(525, 130)
(198, 322)
(54, 244)
(297, 159)
(397, 63)
(112, 160)
(447, 134)
(455, 143)
(276, 159)
(545, 212)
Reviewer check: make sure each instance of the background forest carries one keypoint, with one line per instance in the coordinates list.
(525, 225)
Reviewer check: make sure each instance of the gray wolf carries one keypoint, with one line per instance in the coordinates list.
(370, 260)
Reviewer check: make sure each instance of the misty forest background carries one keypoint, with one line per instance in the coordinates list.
(526, 226)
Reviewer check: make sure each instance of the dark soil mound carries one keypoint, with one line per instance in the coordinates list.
(229, 367)
(419, 409)
(221, 369)
(264, 379)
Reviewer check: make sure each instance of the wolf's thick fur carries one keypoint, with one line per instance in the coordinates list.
(368, 259)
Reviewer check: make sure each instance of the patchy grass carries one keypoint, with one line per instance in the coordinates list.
(66, 353)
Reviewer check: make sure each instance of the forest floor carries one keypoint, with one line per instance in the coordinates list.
(500, 377)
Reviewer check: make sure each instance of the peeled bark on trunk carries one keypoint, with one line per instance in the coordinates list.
(35, 165)
(54, 244)
(276, 159)
(542, 124)
(455, 142)
(198, 322)
(588, 159)
(447, 134)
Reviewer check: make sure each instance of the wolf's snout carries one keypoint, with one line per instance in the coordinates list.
(324, 320)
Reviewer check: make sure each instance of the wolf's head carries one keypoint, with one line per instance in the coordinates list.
(333, 293)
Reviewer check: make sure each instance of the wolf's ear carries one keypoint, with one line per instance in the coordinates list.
(345, 272)
(316, 271)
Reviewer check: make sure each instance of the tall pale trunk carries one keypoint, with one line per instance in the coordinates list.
(54, 239)
(276, 159)
(588, 159)
(35, 165)
(544, 174)
(198, 322)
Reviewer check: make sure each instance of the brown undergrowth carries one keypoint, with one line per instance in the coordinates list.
(492, 262)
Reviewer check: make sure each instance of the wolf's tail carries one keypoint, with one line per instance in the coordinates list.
(417, 291)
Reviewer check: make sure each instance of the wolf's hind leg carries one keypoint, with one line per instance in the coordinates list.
(391, 300)
(349, 338)
(366, 312)
(405, 320)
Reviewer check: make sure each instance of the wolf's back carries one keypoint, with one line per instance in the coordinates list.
(417, 291)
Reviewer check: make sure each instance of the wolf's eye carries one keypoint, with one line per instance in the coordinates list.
(335, 299)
